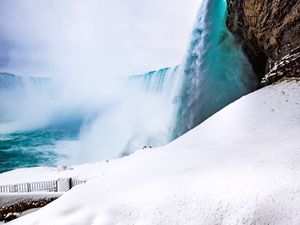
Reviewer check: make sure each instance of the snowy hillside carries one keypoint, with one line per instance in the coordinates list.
(241, 166)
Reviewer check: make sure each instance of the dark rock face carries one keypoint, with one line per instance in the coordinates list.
(9, 211)
(288, 66)
(11, 216)
(270, 33)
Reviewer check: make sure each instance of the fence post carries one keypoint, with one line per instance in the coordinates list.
(28, 187)
(63, 184)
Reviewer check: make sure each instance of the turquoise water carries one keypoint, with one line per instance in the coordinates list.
(162, 82)
(30, 125)
(163, 104)
(32, 148)
(216, 72)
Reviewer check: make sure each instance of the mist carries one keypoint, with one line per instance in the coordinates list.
(98, 38)
(89, 49)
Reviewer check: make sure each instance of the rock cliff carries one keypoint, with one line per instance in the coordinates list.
(270, 33)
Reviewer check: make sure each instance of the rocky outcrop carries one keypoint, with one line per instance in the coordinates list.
(19, 206)
(270, 33)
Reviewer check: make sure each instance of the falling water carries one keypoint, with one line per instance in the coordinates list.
(215, 71)
(148, 109)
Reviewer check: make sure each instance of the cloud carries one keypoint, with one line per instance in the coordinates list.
(102, 38)
(90, 43)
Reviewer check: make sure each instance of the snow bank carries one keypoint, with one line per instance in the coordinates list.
(82, 172)
(241, 166)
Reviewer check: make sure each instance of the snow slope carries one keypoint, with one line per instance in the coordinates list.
(81, 172)
(241, 166)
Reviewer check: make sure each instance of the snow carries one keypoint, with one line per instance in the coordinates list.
(37, 174)
(241, 166)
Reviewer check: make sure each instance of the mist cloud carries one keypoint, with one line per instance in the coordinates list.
(102, 38)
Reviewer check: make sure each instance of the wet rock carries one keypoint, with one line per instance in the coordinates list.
(11, 216)
(269, 31)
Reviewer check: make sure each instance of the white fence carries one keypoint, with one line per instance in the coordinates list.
(75, 182)
(44, 186)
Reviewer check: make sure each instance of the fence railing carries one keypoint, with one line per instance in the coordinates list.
(60, 185)
(75, 182)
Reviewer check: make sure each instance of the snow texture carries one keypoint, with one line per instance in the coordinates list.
(241, 166)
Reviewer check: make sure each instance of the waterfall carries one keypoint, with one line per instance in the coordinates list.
(16, 90)
(139, 115)
(158, 90)
(122, 116)
(11, 82)
(162, 82)
(215, 71)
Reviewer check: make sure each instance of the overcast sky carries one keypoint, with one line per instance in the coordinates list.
(103, 37)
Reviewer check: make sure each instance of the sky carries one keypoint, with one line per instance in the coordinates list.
(76, 38)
